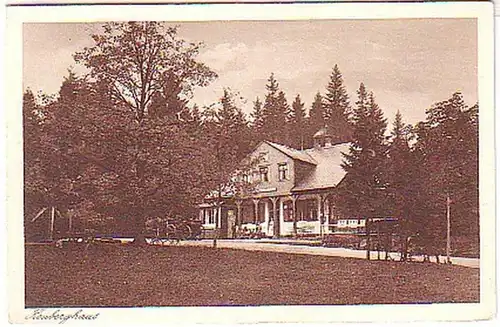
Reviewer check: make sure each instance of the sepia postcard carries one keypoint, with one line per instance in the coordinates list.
(250, 163)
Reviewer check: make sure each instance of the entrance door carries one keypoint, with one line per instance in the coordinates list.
(231, 223)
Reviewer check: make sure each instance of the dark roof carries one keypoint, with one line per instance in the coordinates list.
(328, 171)
(293, 153)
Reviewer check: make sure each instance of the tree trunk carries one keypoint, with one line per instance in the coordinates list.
(139, 240)
(404, 232)
(139, 237)
(404, 247)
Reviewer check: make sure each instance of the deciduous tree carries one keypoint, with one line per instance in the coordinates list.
(448, 144)
(138, 60)
(132, 157)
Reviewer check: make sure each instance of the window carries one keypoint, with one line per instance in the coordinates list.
(282, 171)
(264, 174)
(312, 210)
(256, 175)
(246, 178)
(213, 216)
(206, 216)
(264, 156)
(210, 215)
(288, 211)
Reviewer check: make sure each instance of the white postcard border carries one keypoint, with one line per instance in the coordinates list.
(483, 11)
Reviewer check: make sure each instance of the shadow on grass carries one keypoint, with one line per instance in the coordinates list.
(112, 275)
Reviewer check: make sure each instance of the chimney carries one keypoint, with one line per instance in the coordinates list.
(322, 138)
(328, 141)
(317, 143)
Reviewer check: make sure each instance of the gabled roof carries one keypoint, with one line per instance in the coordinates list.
(293, 153)
(328, 172)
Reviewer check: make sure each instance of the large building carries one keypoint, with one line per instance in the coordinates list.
(291, 191)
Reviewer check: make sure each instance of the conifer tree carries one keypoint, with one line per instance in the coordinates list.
(398, 159)
(365, 160)
(337, 109)
(282, 119)
(228, 127)
(297, 123)
(257, 119)
(402, 178)
(228, 142)
(316, 119)
(377, 128)
(257, 122)
(274, 113)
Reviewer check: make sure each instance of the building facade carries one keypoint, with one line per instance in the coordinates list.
(291, 192)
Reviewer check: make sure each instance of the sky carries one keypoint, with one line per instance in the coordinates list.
(408, 64)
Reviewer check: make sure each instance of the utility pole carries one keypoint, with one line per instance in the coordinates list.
(70, 222)
(448, 229)
(52, 219)
(368, 241)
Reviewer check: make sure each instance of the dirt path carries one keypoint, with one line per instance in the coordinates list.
(274, 246)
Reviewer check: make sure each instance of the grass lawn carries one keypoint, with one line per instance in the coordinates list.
(125, 276)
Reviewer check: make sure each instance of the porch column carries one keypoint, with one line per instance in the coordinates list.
(327, 215)
(318, 200)
(219, 214)
(294, 212)
(323, 217)
(328, 218)
(333, 216)
(238, 212)
(276, 227)
(281, 217)
(267, 216)
(256, 210)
